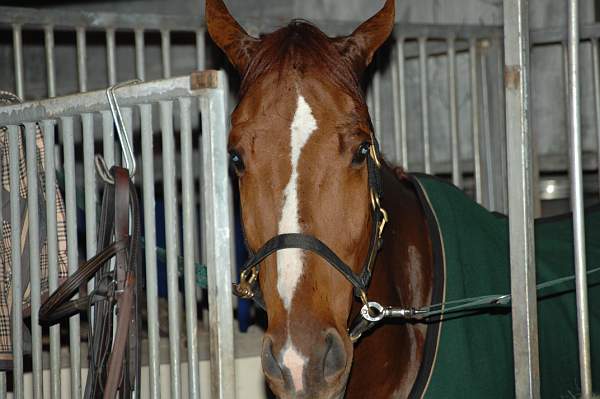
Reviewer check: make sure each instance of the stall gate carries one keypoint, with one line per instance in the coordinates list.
(473, 79)
(165, 101)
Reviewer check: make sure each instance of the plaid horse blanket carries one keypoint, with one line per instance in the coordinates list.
(6, 265)
(470, 354)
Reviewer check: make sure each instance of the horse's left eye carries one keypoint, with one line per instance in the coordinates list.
(361, 154)
(236, 161)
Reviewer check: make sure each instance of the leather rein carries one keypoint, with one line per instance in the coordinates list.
(249, 288)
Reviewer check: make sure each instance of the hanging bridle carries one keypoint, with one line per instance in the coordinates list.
(248, 286)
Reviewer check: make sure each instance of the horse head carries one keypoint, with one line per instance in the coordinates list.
(301, 144)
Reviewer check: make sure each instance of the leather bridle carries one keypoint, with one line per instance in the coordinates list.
(249, 288)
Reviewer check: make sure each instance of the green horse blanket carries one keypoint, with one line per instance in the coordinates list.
(470, 354)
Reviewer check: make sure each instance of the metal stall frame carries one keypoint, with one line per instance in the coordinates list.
(209, 89)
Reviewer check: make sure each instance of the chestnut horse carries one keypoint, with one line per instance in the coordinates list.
(303, 147)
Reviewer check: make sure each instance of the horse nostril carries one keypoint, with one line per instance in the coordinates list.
(270, 364)
(335, 356)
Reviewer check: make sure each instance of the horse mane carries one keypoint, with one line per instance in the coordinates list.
(301, 46)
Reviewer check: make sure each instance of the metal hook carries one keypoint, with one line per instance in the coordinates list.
(121, 130)
(102, 169)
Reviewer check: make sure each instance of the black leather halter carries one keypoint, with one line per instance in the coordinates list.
(248, 286)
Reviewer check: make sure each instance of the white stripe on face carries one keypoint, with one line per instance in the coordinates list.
(294, 362)
(289, 261)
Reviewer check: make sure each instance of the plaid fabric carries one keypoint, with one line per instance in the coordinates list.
(6, 265)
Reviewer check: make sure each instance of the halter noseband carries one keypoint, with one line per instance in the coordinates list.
(248, 286)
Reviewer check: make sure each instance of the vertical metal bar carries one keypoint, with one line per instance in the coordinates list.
(585, 367)
(168, 150)
(3, 389)
(521, 233)
(200, 50)
(149, 248)
(165, 36)
(89, 183)
(81, 59)
(15, 238)
(396, 113)
(377, 99)
(49, 44)
(111, 56)
(486, 162)
(18, 59)
(108, 138)
(402, 99)
(188, 246)
(452, 92)
(596, 74)
(218, 238)
(52, 245)
(34, 256)
(424, 104)
(475, 119)
(72, 251)
(140, 66)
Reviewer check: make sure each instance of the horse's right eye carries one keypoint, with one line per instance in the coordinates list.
(236, 162)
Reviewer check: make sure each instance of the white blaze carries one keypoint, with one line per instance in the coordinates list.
(289, 261)
(294, 362)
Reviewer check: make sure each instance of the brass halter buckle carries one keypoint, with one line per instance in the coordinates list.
(377, 207)
(245, 289)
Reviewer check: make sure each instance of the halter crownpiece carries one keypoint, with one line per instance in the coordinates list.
(248, 287)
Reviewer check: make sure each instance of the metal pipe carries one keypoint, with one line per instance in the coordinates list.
(200, 49)
(166, 122)
(149, 248)
(111, 56)
(521, 229)
(72, 251)
(484, 179)
(34, 256)
(3, 388)
(89, 183)
(50, 71)
(18, 60)
(396, 114)
(165, 37)
(402, 98)
(218, 240)
(140, 65)
(81, 59)
(452, 93)
(475, 119)
(577, 202)
(596, 76)
(108, 138)
(424, 103)
(15, 239)
(188, 202)
(377, 99)
(52, 245)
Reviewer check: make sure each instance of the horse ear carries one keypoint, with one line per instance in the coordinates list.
(227, 33)
(361, 45)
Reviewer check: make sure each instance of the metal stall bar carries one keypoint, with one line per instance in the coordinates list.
(453, 110)
(377, 99)
(521, 233)
(111, 57)
(52, 245)
(168, 150)
(596, 77)
(50, 71)
(18, 60)
(189, 223)
(149, 248)
(89, 182)
(424, 103)
(15, 239)
(165, 37)
(218, 237)
(72, 251)
(200, 50)
(475, 119)
(403, 151)
(140, 66)
(81, 59)
(108, 138)
(484, 162)
(34, 256)
(585, 368)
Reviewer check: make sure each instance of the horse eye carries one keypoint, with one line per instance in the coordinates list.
(236, 161)
(361, 154)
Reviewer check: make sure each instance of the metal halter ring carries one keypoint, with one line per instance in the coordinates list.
(245, 288)
(372, 311)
